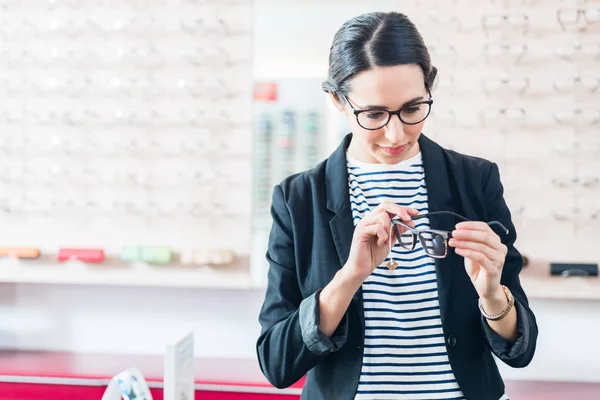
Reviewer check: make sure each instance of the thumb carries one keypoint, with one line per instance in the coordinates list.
(470, 267)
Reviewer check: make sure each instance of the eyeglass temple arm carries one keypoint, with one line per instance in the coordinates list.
(506, 231)
(498, 223)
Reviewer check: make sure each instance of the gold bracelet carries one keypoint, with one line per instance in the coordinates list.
(509, 306)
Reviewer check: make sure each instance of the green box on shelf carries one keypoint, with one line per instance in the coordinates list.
(156, 255)
(151, 255)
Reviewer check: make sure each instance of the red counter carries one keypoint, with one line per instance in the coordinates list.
(65, 376)
(26, 375)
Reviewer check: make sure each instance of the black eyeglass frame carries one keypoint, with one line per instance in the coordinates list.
(419, 233)
(391, 113)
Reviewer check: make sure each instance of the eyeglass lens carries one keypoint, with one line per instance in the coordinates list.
(433, 243)
(377, 119)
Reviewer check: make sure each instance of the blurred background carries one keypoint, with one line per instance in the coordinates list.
(140, 141)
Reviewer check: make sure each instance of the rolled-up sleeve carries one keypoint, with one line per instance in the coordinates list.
(315, 340)
(504, 349)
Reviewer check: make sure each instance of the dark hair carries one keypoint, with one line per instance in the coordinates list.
(375, 39)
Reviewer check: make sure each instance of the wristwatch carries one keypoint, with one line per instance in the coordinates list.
(509, 306)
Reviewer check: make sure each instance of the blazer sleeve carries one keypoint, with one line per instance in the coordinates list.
(520, 353)
(290, 343)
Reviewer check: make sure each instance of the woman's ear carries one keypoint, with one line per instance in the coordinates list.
(336, 102)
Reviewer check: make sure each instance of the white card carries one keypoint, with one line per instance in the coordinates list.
(179, 369)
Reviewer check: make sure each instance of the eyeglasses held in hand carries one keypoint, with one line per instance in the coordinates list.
(434, 241)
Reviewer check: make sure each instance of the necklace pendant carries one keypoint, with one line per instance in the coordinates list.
(391, 264)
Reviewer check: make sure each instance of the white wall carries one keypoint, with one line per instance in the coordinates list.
(127, 320)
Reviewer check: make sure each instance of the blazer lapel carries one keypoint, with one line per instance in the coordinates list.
(338, 202)
(439, 194)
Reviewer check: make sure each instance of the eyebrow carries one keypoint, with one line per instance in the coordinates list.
(377, 107)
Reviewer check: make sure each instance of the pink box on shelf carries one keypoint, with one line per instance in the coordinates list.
(84, 255)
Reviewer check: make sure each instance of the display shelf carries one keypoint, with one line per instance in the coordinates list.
(539, 284)
(112, 273)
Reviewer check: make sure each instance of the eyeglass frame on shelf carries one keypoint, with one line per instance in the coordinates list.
(357, 112)
(505, 48)
(579, 12)
(504, 19)
(446, 235)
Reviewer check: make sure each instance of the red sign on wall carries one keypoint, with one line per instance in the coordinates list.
(265, 91)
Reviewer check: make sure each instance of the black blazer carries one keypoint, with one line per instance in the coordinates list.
(310, 241)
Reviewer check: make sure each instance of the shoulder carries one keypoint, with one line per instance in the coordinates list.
(470, 164)
(477, 179)
(470, 168)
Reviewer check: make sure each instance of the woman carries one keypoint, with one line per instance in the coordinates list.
(384, 281)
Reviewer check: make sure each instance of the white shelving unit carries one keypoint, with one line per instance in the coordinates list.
(235, 276)
(115, 125)
(539, 284)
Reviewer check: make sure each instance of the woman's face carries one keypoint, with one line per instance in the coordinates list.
(390, 88)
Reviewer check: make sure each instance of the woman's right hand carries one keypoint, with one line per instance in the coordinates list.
(373, 239)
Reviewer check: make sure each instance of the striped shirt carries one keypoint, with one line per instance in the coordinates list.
(404, 352)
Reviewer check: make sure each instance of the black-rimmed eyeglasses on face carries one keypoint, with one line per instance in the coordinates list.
(376, 118)
(434, 241)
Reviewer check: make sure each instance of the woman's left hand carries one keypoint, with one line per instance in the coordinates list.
(484, 255)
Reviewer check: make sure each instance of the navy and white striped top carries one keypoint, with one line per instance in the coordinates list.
(404, 354)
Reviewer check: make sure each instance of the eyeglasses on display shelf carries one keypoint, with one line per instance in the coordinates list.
(578, 19)
(503, 118)
(577, 116)
(263, 143)
(310, 133)
(502, 24)
(589, 183)
(504, 53)
(588, 84)
(579, 51)
(576, 149)
(444, 54)
(497, 86)
(285, 144)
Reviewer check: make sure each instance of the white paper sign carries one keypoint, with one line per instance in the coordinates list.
(128, 385)
(179, 369)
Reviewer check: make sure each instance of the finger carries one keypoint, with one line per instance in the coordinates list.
(474, 226)
(382, 220)
(489, 237)
(413, 212)
(491, 253)
(367, 232)
(496, 252)
(478, 258)
(372, 218)
(382, 236)
(397, 210)
(385, 219)
(376, 230)
(386, 223)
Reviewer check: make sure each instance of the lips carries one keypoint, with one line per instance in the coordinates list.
(393, 151)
